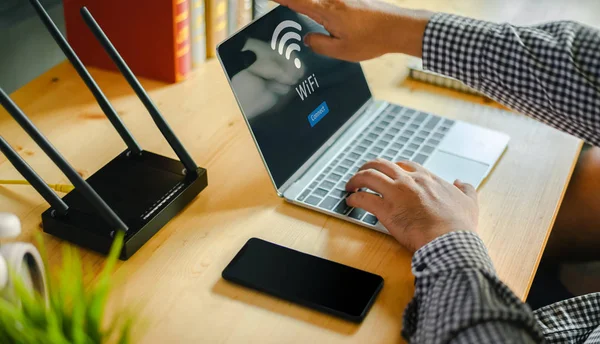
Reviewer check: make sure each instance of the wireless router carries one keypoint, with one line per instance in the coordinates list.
(137, 192)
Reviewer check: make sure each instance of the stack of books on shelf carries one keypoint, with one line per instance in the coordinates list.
(161, 40)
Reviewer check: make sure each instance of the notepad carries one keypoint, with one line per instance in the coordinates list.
(416, 72)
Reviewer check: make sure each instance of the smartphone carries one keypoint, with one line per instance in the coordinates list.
(307, 280)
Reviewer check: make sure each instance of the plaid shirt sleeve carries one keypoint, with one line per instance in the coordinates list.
(459, 299)
(550, 72)
(575, 320)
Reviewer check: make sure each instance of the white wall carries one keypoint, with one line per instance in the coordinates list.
(26, 48)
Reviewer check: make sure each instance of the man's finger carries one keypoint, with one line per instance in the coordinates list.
(388, 168)
(324, 44)
(466, 188)
(370, 179)
(410, 166)
(367, 201)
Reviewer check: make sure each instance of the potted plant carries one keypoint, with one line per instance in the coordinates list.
(69, 312)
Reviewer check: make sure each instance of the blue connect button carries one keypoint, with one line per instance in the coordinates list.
(318, 114)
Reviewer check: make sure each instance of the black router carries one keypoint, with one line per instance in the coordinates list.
(137, 192)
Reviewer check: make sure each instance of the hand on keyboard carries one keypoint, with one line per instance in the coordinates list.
(415, 206)
(396, 134)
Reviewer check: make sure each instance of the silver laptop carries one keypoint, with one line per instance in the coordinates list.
(315, 122)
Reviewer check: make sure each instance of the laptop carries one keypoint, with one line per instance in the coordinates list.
(315, 122)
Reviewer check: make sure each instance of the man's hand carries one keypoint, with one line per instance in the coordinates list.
(362, 29)
(415, 205)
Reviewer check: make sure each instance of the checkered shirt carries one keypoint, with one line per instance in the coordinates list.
(459, 299)
(552, 73)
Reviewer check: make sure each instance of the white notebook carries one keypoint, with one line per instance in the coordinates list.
(417, 72)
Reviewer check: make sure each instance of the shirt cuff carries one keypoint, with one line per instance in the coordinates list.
(452, 251)
(453, 46)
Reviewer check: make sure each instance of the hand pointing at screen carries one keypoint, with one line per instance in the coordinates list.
(361, 30)
(415, 206)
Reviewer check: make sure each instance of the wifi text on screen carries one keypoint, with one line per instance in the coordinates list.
(307, 87)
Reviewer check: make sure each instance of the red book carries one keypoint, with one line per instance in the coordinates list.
(152, 36)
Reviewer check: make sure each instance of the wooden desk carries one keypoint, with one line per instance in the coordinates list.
(176, 276)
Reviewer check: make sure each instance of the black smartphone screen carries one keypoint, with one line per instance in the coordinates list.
(304, 279)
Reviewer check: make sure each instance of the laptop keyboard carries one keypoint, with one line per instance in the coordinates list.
(396, 134)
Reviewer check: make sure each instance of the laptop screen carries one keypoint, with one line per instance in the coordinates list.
(293, 99)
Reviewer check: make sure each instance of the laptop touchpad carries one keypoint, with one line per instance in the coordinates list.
(451, 167)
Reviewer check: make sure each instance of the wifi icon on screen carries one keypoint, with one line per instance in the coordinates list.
(291, 36)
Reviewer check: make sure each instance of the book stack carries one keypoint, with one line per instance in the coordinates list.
(239, 15)
(216, 25)
(162, 40)
(198, 27)
(152, 36)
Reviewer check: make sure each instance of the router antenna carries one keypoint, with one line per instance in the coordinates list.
(33, 178)
(80, 185)
(162, 125)
(106, 107)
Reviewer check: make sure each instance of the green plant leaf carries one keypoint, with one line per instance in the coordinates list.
(73, 314)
